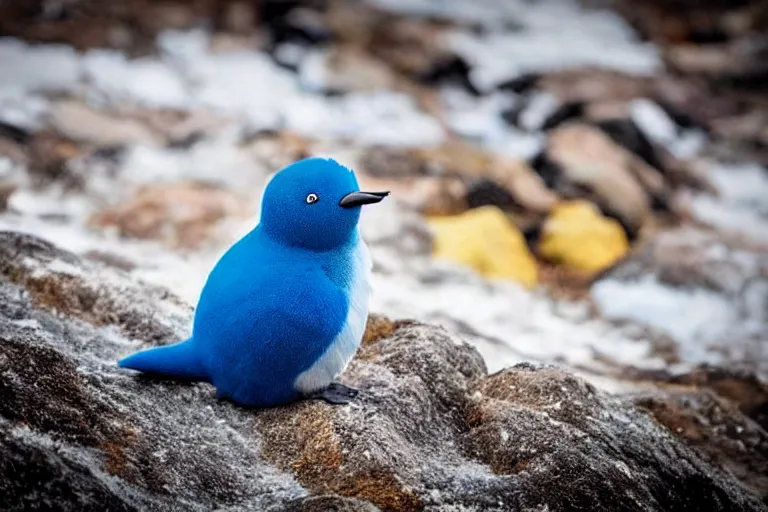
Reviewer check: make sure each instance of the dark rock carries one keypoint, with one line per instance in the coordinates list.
(626, 133)
(13, 132)
(484, 192)
(512, 115)
(429, 431)
(520, 84)
(565, 112)
(330, 504)
(449, 70)
(288, 22)
(716, 428)
(49, 155)
(741, 388)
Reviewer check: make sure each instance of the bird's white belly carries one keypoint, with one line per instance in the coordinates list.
(340, 352)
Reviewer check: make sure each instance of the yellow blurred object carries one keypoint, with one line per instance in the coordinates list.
(577, 235)
(484, 239)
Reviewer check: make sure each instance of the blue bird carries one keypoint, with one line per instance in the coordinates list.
(284, 309)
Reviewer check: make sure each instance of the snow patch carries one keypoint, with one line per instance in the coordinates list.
(692, 317)
(553, 35)
(146, 81)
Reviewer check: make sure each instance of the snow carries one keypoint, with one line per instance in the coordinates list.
(742, 205)
(552, 35)
(215, 160)
(653, 121)
(480, 119)
(22, 108)
(147, 81)
(506, 323)
(742, 185)
(37, 68)
(542, 106)
(370, 118)
(487, 12)
(692, 317)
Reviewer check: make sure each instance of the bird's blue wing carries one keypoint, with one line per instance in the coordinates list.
(258, 328)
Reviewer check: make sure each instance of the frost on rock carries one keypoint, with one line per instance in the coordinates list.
(431, 430)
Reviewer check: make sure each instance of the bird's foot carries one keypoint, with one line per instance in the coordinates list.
(336, 394)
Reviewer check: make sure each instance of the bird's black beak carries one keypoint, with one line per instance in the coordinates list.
(361, 198)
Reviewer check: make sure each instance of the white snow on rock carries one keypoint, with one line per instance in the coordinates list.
(485, 12)
(552, 35)
(36, 68)
(216, 160)
(480, 119)
(26, 71)
(22, 108)
(742, 202)
(383, 117)
(507, 324)
(146, 81)
(542, 106)
(653, 121)
(692, 317)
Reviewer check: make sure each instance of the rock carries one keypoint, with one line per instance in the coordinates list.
(389, 162)
(609, 95)
(461, 176)
(523, 184)
(456, 159)
(342, 70)
(11, 176)
(700, 22)
(485, 192)
(743, 389)
(716, 428)
(693, 258)
(414, 47)
(183, 215)
(577, 236)
(238, 17)
(79, 123)
(6, 190)
(590, 85)
(430, 430)
(590, 160)
(49, 155)
(484, 239)
(733, 63)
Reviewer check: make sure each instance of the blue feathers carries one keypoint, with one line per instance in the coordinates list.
(283, 311)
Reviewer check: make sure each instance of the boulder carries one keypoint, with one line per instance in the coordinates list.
(431, 429)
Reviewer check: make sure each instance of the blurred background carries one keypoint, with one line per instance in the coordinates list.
(581, 183)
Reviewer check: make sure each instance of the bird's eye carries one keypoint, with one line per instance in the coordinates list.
(312, 198)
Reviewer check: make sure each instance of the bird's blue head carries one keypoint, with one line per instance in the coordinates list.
(314, 204)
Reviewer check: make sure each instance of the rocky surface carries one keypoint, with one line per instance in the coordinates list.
(430, 431)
